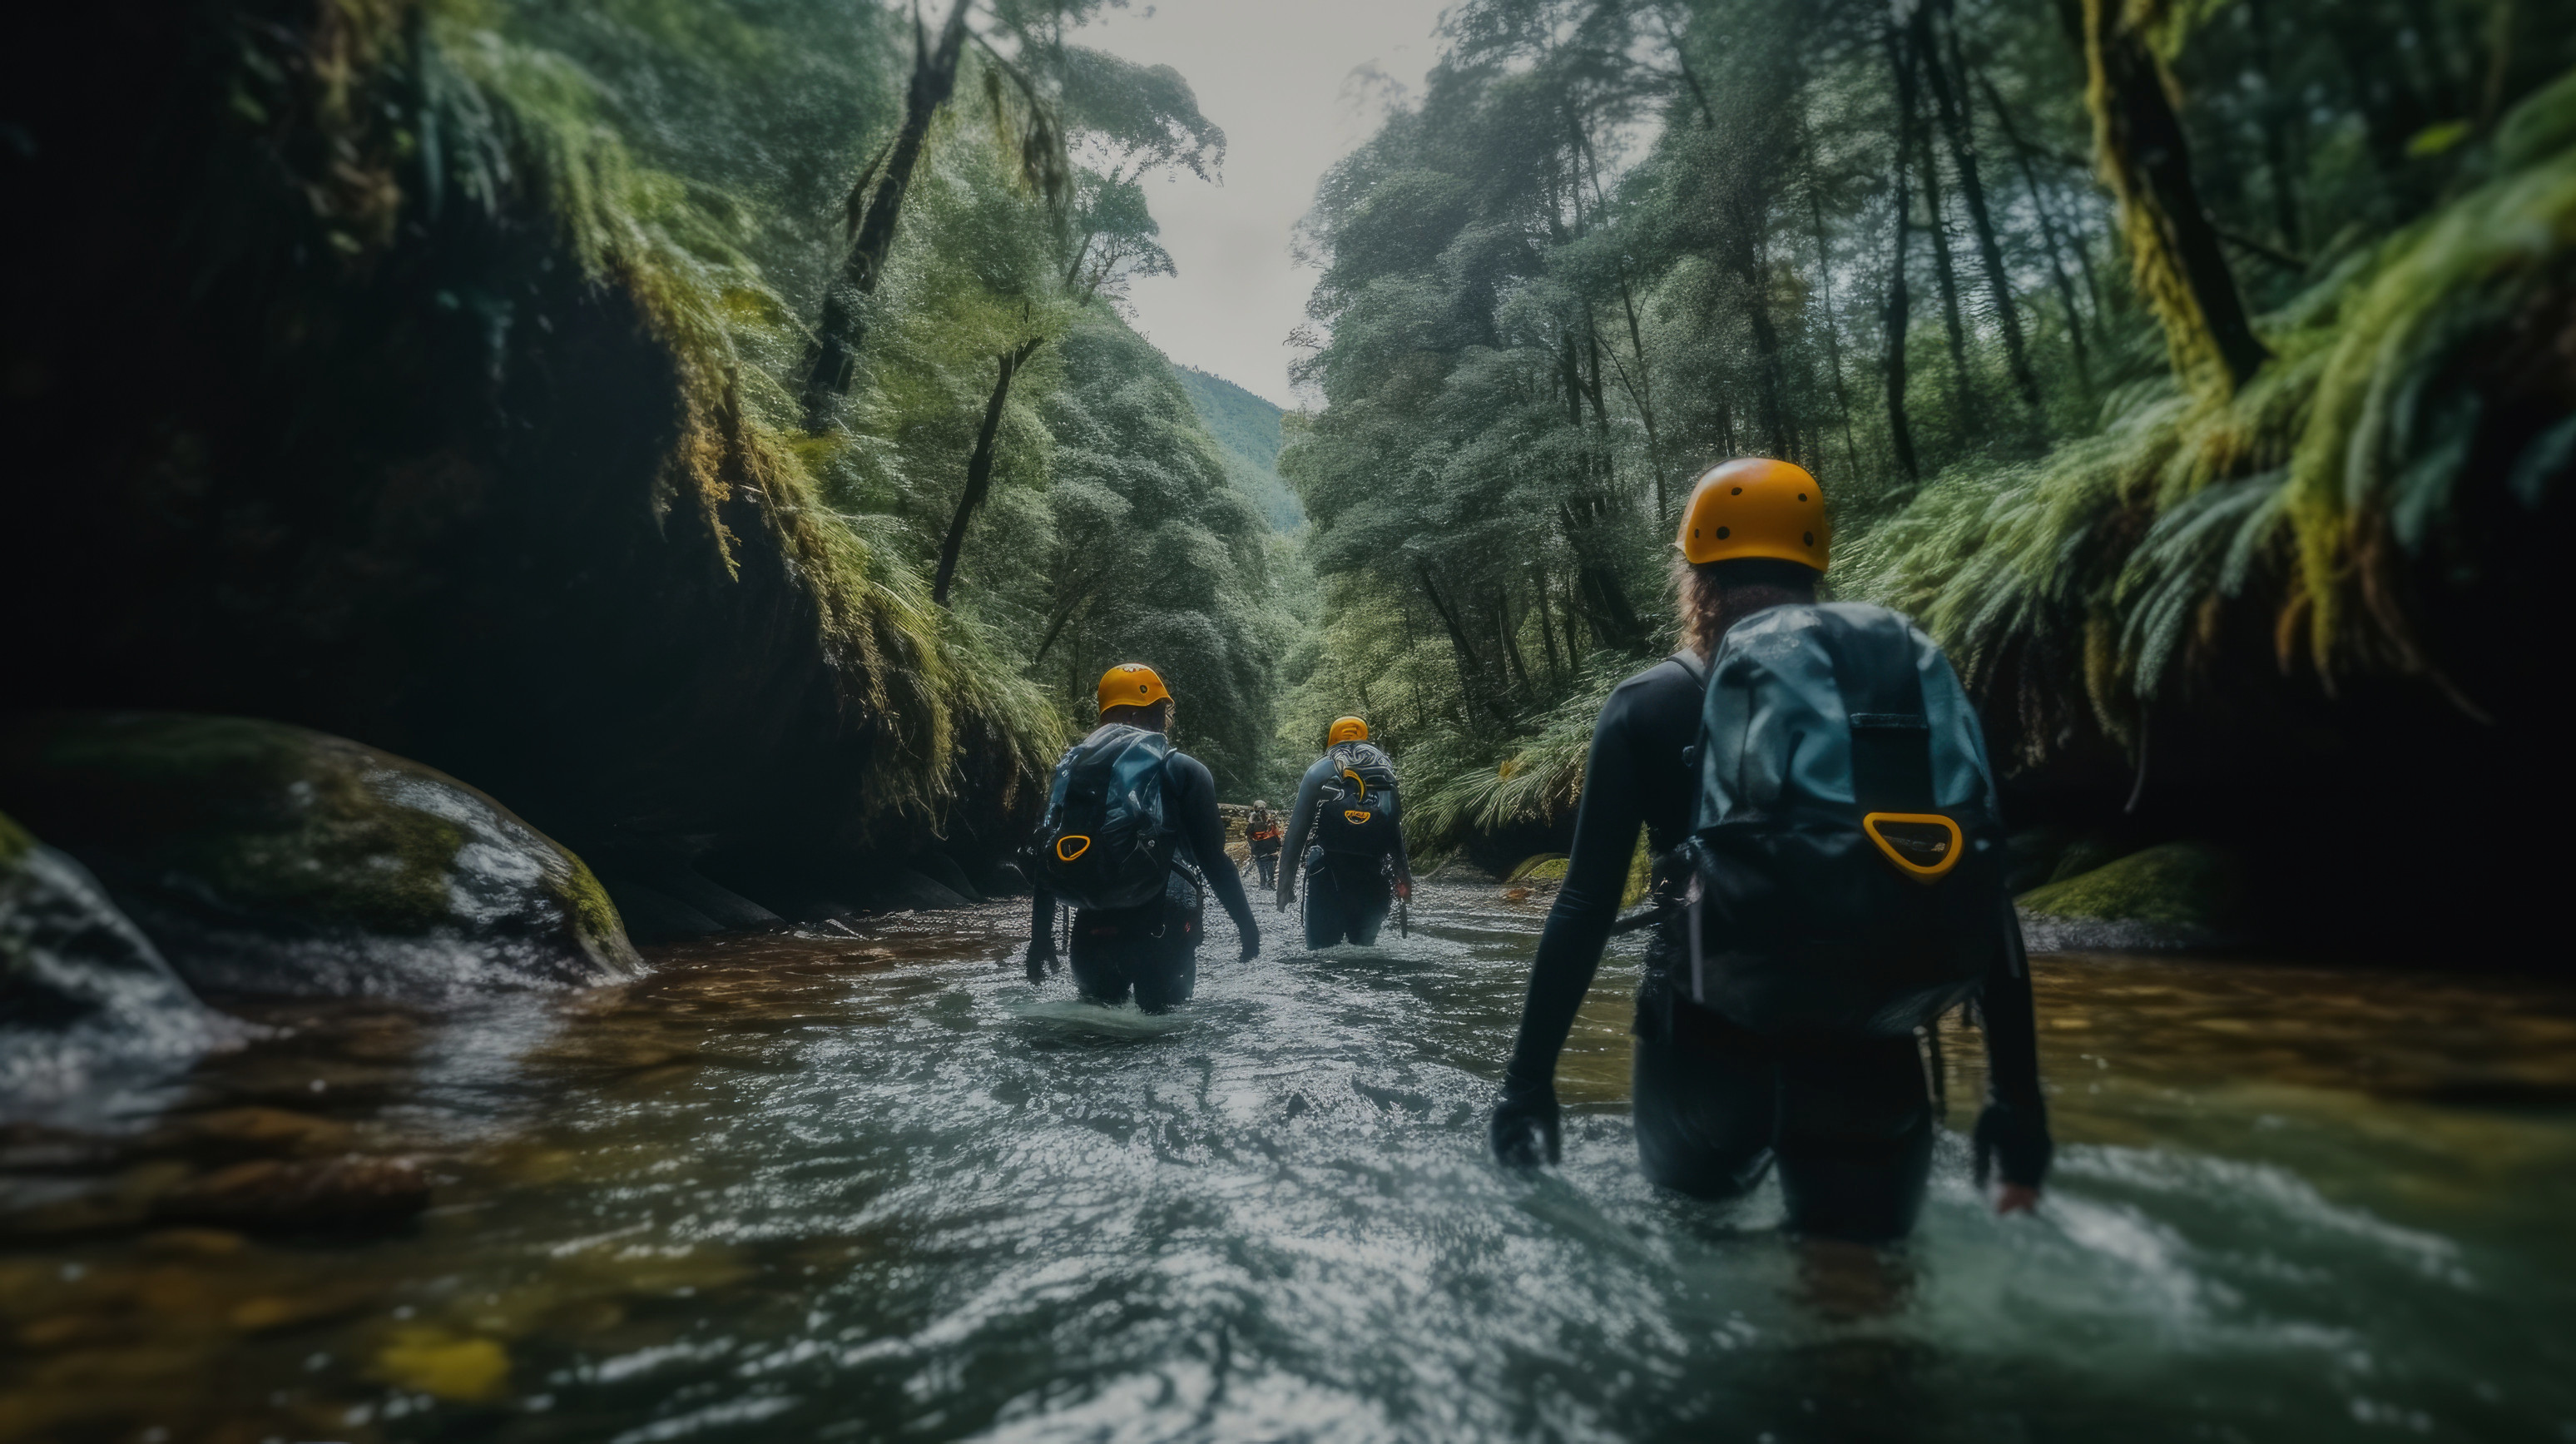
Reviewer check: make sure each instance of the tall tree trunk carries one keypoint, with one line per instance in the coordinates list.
(1503, 630)
(979, 466)
(1899, 310)
(1547, 630)
(1612, 617)
(1955, 119)
(876, 204)
(1833, 323)
(1641, 393)
(2048, 232)
(1754, 275)
(1963, 381)
(1471, 668)
(2173, 248)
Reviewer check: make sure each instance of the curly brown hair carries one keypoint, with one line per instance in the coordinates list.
(1717, 595)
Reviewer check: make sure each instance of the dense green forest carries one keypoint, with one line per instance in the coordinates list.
(1250, 431)
(716, 428)
(2196, 372)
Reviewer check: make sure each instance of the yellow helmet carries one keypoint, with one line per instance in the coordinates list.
(1131, 684)
(1756, 507)
(1346, 729)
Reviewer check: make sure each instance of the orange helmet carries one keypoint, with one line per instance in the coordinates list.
(1346, 729)
(1757, 507)
(1131, 684)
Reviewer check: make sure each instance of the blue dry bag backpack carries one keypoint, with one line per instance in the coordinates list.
(1356, 812)
(1104, 843)
(1846, 869)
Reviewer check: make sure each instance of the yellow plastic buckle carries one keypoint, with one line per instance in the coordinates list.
(1355, 817)
(1924, 845)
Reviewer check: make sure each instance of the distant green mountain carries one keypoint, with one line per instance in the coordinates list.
(1247, 427)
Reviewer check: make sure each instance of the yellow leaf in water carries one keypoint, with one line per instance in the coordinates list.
(431, 1361)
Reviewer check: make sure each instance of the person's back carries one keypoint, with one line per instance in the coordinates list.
(1717, 1097)
(1346, 836)
(1147, 946)
(1261, 835)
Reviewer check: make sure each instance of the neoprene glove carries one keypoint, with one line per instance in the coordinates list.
(1525, 1130)
(1039, 959)
(2016, 1137)
(1251, 942)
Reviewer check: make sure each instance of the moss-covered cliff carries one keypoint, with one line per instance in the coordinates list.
(361, 375)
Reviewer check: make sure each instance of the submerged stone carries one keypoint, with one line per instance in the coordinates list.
(85, 999)
(269, 860)
(272, 1194)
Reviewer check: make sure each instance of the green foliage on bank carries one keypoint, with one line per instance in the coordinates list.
(1914, 250)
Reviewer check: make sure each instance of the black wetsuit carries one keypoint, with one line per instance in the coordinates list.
(1849, 1123)
(1347, 895)
(1152, 950)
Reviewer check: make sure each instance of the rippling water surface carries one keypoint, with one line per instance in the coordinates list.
(799, 1188)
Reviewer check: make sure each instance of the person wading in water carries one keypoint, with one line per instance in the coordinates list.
(1838, 887)
(1130, 828)
(1348, 829)
(1261, 832)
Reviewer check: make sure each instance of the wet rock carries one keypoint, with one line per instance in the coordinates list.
(274, 1194)
(1460, 870)
(264, 859)
(942, 869)
(1006, 880)
(85, 1000)
(653, 916)
(1546, 869)
(909, 891)
(2176, 895)
(728, 910)
(262, 1132)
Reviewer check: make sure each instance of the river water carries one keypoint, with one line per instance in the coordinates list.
(799, 1187)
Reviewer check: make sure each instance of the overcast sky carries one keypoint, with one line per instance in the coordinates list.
(1294, 83)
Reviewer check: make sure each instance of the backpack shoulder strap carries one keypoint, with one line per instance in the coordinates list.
(1696, 667)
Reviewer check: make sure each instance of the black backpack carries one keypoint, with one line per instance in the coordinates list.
(1105, 842)
(1845, 873)
(1355, 812)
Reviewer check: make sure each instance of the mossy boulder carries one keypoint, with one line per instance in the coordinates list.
(265, 859)
(85, 1000)
(1545, 867)
(2174, 895)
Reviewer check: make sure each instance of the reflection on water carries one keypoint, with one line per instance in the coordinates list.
(810, 1188)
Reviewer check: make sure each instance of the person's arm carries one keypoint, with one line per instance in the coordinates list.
(1403, 863)
(1196, 798)
(1524, 1129)
(1301, 819)
(2012, 1132)
(1041, 927)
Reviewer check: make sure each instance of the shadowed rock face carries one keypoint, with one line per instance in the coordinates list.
(85, 1000)
(266, 860)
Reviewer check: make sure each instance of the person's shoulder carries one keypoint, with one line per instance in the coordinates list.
(1663, 676)
(1181, 762)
